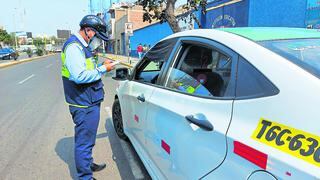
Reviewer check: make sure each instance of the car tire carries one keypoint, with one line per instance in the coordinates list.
(117, 120)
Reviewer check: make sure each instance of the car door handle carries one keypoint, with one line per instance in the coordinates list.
(200, 121)
(141, 98)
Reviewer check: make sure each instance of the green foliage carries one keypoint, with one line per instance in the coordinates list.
(54, 39)
(5, 37)
(38, 42)
(164, 11)
(29, 52)
(40, 51)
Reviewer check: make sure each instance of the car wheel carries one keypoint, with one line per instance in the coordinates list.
(117, 120)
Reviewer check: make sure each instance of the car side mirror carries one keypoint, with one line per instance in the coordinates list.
(122, 74)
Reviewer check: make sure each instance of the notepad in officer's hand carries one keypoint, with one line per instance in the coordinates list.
(114, 63)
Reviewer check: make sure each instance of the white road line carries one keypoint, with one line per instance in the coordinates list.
(48, 65)
(108, 110)
(135, 167)
(26, 79)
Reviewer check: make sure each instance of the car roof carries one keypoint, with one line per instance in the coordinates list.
(254, 33)
(273, 33)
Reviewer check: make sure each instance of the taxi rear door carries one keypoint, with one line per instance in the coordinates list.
(273, 124)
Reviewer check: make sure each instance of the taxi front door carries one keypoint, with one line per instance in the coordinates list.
(179, 149)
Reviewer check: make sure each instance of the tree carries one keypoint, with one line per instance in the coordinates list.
(12, 39)
(38, 42)
(53, 39)
(164, 11)
(5, 37)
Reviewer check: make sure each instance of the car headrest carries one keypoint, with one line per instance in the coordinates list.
(198, 57)
(202, 70)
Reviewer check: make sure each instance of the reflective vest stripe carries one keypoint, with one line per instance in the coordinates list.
(64, 70)
(89, 62)
(75, 105)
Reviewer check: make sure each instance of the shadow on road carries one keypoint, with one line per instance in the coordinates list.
(117, 152)
(65, 150)
(120, 158)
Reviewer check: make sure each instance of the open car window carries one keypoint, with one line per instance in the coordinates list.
(200, 71)
(152, 64)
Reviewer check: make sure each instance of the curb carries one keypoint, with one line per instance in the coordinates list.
(4, 65)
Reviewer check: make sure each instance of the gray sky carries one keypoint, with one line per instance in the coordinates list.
(42, 16)
(46, 16)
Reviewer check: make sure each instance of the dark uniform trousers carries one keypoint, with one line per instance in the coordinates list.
(86, 122)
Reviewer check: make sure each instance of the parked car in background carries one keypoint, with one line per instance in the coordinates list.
(8, 53)
(57, 49)
(234, 103)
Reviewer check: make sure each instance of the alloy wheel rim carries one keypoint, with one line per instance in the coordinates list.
(118, 120)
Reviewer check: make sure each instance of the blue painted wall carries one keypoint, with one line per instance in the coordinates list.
(289, 13)
(233, 15)
(273, 13)
(123, 44)
(149, 35)
(313, 14)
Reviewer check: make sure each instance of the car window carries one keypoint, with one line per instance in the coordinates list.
(152, 66)
(200, 71)
(303, 52)
(182, 81)
(148, 70)
(251, 83)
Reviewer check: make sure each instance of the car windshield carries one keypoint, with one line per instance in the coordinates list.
(303, 52)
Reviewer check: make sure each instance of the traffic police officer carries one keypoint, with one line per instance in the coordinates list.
(83, 89)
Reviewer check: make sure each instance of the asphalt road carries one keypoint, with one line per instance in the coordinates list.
(36, 130)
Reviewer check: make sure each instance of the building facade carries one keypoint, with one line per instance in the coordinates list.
(240, 13)
(255, 13)
(149, 35)
(313, 14)
(120, 14)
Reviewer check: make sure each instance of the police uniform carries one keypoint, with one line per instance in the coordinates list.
(84, 100)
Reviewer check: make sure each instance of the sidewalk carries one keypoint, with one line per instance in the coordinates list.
(123, 60)
(131, 62)
(14, 62)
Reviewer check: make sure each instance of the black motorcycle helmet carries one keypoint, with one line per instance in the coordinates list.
(97, 24)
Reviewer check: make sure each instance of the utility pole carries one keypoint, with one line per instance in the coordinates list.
(15, 29)
(129, 49)
(90, 6)
(128, 33)
(102, 17)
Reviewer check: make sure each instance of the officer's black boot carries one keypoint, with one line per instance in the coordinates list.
(97, 167)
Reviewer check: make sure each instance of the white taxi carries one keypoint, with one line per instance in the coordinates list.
(238, 103)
